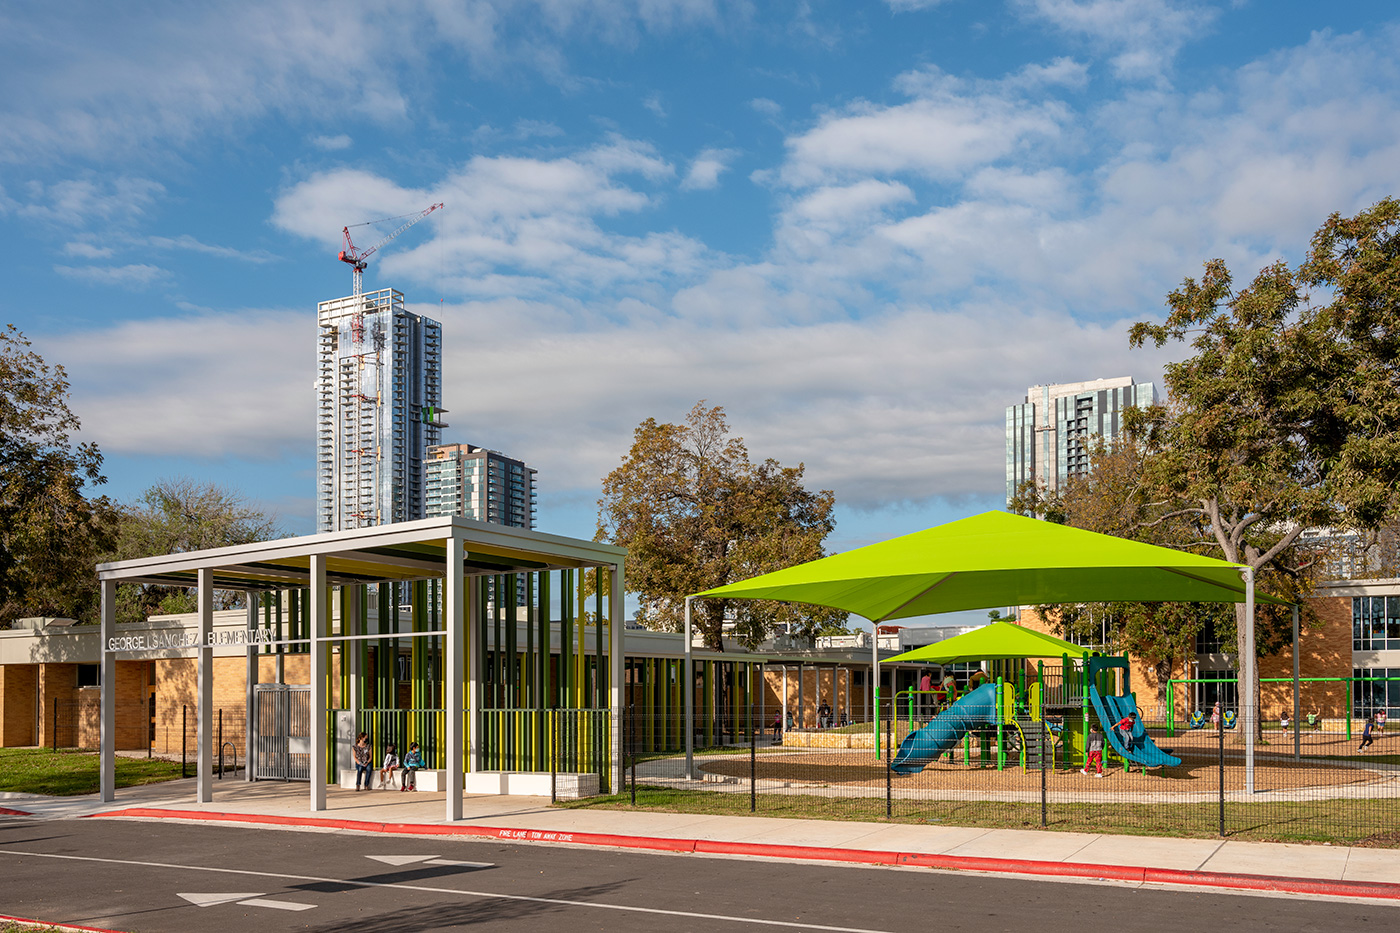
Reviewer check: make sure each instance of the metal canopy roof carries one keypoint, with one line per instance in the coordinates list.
(385, 553)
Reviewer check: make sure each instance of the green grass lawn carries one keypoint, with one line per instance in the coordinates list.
(1338, 822)
(70, 773)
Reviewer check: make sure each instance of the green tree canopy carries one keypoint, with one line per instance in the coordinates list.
(51, 533)
(177, 515)
(694, 513)
(1286, 415)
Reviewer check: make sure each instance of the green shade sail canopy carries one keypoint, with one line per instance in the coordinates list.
(991, 560)
(992, 642)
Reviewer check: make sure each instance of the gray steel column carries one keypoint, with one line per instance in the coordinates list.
(688, 689)
(204, 717)
(454, 616)
(473, 663)
(1247, 669)
(319, 615)
(617, 623)
(108, 766)
(250, 683)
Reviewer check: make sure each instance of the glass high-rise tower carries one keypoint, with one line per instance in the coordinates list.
(378, 409)
(1048, 435)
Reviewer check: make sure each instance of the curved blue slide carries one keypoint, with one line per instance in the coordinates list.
(974, 711)
(1112, 709)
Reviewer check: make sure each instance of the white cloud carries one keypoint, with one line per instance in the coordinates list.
(947, 130)
(190, 244)
(135, 275)
(705, 170)
(99, 81)
(89, 201)
(1142, 36)
(332, 143)
(765, 106)
(85, 250)
(513, 226)
(229, 384)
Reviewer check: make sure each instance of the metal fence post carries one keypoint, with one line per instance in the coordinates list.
(632, 748)
(1220, 735)
(1044, 821)
(753, 765)
(184, 733)
(554, 757)
(55, 724)
(221, 743)
(889, 767)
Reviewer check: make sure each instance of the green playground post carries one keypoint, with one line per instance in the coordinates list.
(1001, 741)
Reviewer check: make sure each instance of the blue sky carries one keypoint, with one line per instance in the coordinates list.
(862, 228)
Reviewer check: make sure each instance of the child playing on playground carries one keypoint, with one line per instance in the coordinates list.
(1124, 727)
(1380, 720)
(388, 767)
(1095, 753)
(1366, 738)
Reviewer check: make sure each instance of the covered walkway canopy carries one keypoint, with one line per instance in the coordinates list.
(998, 559)
(457, 551)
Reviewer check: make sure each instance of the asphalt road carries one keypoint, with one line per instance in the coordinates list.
(153, 877)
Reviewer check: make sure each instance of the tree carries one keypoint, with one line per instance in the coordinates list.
(1116, 497)
(51, 533)
(177, 515)
(1287, 415)
(695, 513)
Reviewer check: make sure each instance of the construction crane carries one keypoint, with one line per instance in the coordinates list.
(357, 257)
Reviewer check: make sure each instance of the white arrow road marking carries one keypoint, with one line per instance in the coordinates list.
(209, 900)
(454, 862)
(279, 905)
(400, 859)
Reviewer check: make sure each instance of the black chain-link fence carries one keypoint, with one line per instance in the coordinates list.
(1072, 768)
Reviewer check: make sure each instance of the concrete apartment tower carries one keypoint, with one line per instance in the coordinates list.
(461, 479)
(1048, 435)
(378, 409)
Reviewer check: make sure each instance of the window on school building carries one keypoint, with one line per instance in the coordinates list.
(1375, 688)
(1375, 623)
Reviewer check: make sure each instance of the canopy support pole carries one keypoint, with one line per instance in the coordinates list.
(1297, 698)
(875, 667)
(688, 685)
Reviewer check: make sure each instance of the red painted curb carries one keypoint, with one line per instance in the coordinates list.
(1214, 879)
(6, 811)
(55, 926)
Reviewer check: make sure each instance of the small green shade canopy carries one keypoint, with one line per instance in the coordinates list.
(992, 642)
(996, 559)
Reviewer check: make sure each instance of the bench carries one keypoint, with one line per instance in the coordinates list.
(427, 779)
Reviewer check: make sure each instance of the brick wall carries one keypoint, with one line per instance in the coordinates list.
(17, 704)
(1324, 651)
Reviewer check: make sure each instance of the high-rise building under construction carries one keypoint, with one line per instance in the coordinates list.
(378, 409)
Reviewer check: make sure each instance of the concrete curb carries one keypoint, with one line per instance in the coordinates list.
(1027, 867)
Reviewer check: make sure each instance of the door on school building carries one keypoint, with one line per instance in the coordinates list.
(282, 732)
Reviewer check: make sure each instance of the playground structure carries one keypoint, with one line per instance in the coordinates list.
(1029, 716)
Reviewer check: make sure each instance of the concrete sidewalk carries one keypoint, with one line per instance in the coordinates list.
(1219, 864)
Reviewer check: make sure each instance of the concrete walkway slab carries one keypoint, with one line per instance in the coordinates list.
(1373, 865)
(1024, 844)
(1148, 851)
(1278, 858)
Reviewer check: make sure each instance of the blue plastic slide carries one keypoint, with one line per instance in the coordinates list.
(974, 711)
(1112, 709)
